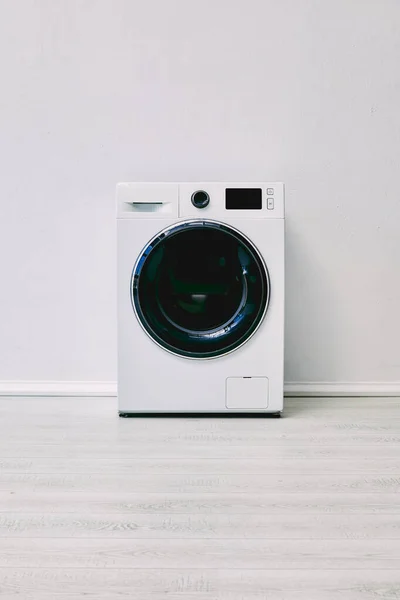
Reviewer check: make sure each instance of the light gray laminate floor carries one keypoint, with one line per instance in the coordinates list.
(302, 508)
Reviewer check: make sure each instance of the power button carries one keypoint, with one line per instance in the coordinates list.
(270, 203)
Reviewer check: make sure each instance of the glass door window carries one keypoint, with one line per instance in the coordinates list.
(200, 289)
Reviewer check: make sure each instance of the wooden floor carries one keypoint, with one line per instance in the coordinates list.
(302, 508)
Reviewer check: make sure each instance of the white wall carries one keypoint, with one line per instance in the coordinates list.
(98, 91)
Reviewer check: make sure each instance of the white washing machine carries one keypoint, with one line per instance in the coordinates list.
(200, 298)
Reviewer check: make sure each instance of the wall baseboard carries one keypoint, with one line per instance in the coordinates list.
(321, 388)
(109, 388)
(58, 388)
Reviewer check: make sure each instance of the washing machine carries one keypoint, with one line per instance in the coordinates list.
(200, 298)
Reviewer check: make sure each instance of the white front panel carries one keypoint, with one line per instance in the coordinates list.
(152, 379)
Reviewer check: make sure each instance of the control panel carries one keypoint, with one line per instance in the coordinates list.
(253, 200)
(214, 200)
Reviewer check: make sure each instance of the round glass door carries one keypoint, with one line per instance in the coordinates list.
(200, 289)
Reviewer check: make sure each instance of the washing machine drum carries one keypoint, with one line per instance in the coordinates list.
(200, 289)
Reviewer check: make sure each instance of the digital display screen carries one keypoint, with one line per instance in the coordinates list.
(243, 199)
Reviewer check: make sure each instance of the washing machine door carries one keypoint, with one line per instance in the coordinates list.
(200, 289)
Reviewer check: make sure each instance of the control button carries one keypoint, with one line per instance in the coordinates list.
(270, 203)
(270, 191)
(200, 199)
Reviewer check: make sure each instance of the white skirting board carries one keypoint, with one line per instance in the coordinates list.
(109, 388)
(58, 388)
(350, 388)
